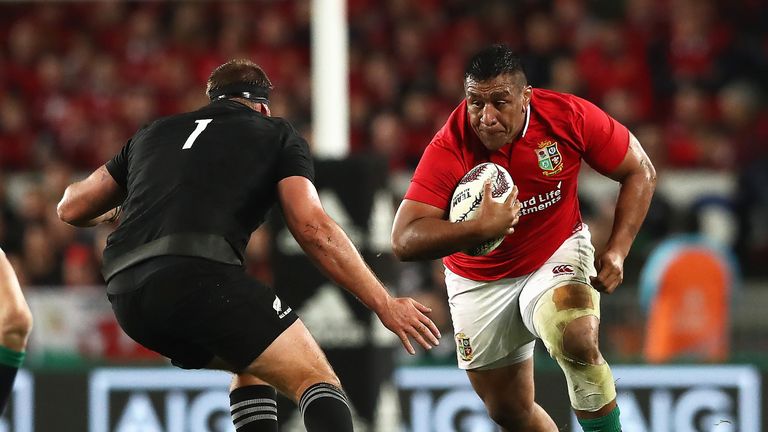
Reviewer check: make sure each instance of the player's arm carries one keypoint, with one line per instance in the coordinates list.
(331, 250)
(91, 201)
(638, 181)
(421, 231)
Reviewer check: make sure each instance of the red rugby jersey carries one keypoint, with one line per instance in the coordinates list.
(544, 162)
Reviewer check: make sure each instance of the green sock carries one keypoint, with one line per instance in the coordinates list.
(607, 423)
(10, 357)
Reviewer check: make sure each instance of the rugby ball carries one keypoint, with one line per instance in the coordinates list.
(468, 195)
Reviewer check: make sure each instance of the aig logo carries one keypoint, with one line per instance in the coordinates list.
(159, 400)
(687, 399)
(440, 399)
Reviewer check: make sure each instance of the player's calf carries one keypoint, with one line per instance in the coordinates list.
(566, 319)
(508, 395)
(511, 418)
(296, 366)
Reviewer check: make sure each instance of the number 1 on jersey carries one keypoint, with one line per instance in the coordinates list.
(201, 125)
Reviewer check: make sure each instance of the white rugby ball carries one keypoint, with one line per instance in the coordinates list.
(466, 199)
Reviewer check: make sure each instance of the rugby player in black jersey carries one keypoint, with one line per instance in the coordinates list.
(189, 190)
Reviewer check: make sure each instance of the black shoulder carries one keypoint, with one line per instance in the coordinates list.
(154, 124)
(284, 126)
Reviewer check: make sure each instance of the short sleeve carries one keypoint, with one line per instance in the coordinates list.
(295, 158)
(436, 176)
(605, 140)
(118, 165)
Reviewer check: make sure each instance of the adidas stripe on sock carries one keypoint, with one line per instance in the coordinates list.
(254, 408)
(325, 409)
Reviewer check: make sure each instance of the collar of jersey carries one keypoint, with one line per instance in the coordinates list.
(527, 119)
(237, 104)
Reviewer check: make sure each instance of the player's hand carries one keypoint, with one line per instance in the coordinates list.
(610, 272)
(406, 318)
(498, 219)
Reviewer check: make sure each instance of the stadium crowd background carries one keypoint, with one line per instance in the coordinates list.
(78, 78)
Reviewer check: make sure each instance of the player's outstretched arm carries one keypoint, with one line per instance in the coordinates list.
(421, 231)
(91, 201)
(638, 181)
(332, 251)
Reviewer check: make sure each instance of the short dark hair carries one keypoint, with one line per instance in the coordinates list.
(495, 60)
(238, 71)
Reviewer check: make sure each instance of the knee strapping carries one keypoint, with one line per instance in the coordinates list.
(590, 387)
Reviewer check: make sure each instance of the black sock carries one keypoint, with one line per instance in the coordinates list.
(325, 409)
(10, 361)
(254, 408)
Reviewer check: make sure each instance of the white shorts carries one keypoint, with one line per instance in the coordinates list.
(493, 321)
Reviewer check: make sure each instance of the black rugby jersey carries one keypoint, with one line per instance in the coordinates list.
(199, 183)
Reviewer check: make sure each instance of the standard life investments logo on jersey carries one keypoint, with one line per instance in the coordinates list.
(540, 202)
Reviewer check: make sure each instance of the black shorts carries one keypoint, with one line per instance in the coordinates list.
(192, 310)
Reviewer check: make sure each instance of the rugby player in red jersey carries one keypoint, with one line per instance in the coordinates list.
(543, 281)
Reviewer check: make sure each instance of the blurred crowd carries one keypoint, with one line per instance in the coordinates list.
(78, 78)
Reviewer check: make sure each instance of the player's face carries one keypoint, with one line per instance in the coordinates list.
(496, 108)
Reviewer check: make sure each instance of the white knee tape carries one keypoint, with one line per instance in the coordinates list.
(590, 387)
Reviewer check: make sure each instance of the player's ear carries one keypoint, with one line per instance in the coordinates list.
(527, 92)
(265, 110)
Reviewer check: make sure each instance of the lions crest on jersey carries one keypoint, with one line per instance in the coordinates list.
(550, 159)
(463, 347)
